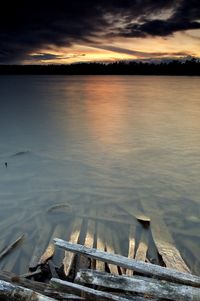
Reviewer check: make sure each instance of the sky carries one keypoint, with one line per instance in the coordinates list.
(63, 31)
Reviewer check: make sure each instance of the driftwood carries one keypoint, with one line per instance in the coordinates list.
(10, 247)
(89, 293)
(141, 285)
(138, 266)
(12, 292)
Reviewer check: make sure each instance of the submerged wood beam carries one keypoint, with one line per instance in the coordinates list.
(11, 246)
(12, 292)
(138, 266)
(69, 257)
(163, 240)
(110, 248)
(140, 285)
(131, 251)
(100, 245)
(142, 247)
(89, 242)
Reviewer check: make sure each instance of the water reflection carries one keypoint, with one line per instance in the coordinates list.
(102, 144)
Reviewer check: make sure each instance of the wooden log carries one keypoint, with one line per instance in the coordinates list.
(138, 266)
(141, 252)
(11, 246)
(141, 285)
(12, 292)
(109, 244)
(74, 236)
(88, 293)
(131, 250)
(164, 241)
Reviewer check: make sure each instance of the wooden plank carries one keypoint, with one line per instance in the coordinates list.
(141, 252)
(84, 262)
(14, 292)
(138, 266)
(131, 250)
(100, 245)
(117, 248)
(163, 240)
(87, 292)
(109, 243)
(141, 285)
(74, 236)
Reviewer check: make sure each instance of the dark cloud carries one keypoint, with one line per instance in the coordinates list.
(186, 16)
(28, 26)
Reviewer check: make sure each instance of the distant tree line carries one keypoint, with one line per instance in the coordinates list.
(174, 67)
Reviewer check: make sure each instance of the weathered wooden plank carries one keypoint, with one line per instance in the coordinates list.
(138, 266)
(109, 244)
(48, 253)
(88, 293)
(14, 292)
(84, 262)
(100, 245)
(164, 241)
(143, 246)
(141, 285)
(74, 236)
(11, 246)
(131, 250)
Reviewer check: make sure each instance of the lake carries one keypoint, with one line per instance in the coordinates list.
(105, 147)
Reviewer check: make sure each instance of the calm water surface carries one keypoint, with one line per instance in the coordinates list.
(109, 147)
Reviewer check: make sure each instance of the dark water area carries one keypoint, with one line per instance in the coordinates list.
(107, 148)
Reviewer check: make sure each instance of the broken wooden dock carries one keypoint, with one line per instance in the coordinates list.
(94, 263)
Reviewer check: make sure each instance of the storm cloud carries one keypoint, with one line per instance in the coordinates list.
(28, 26)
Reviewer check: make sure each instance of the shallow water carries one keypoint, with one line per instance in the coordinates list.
(105, 146)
